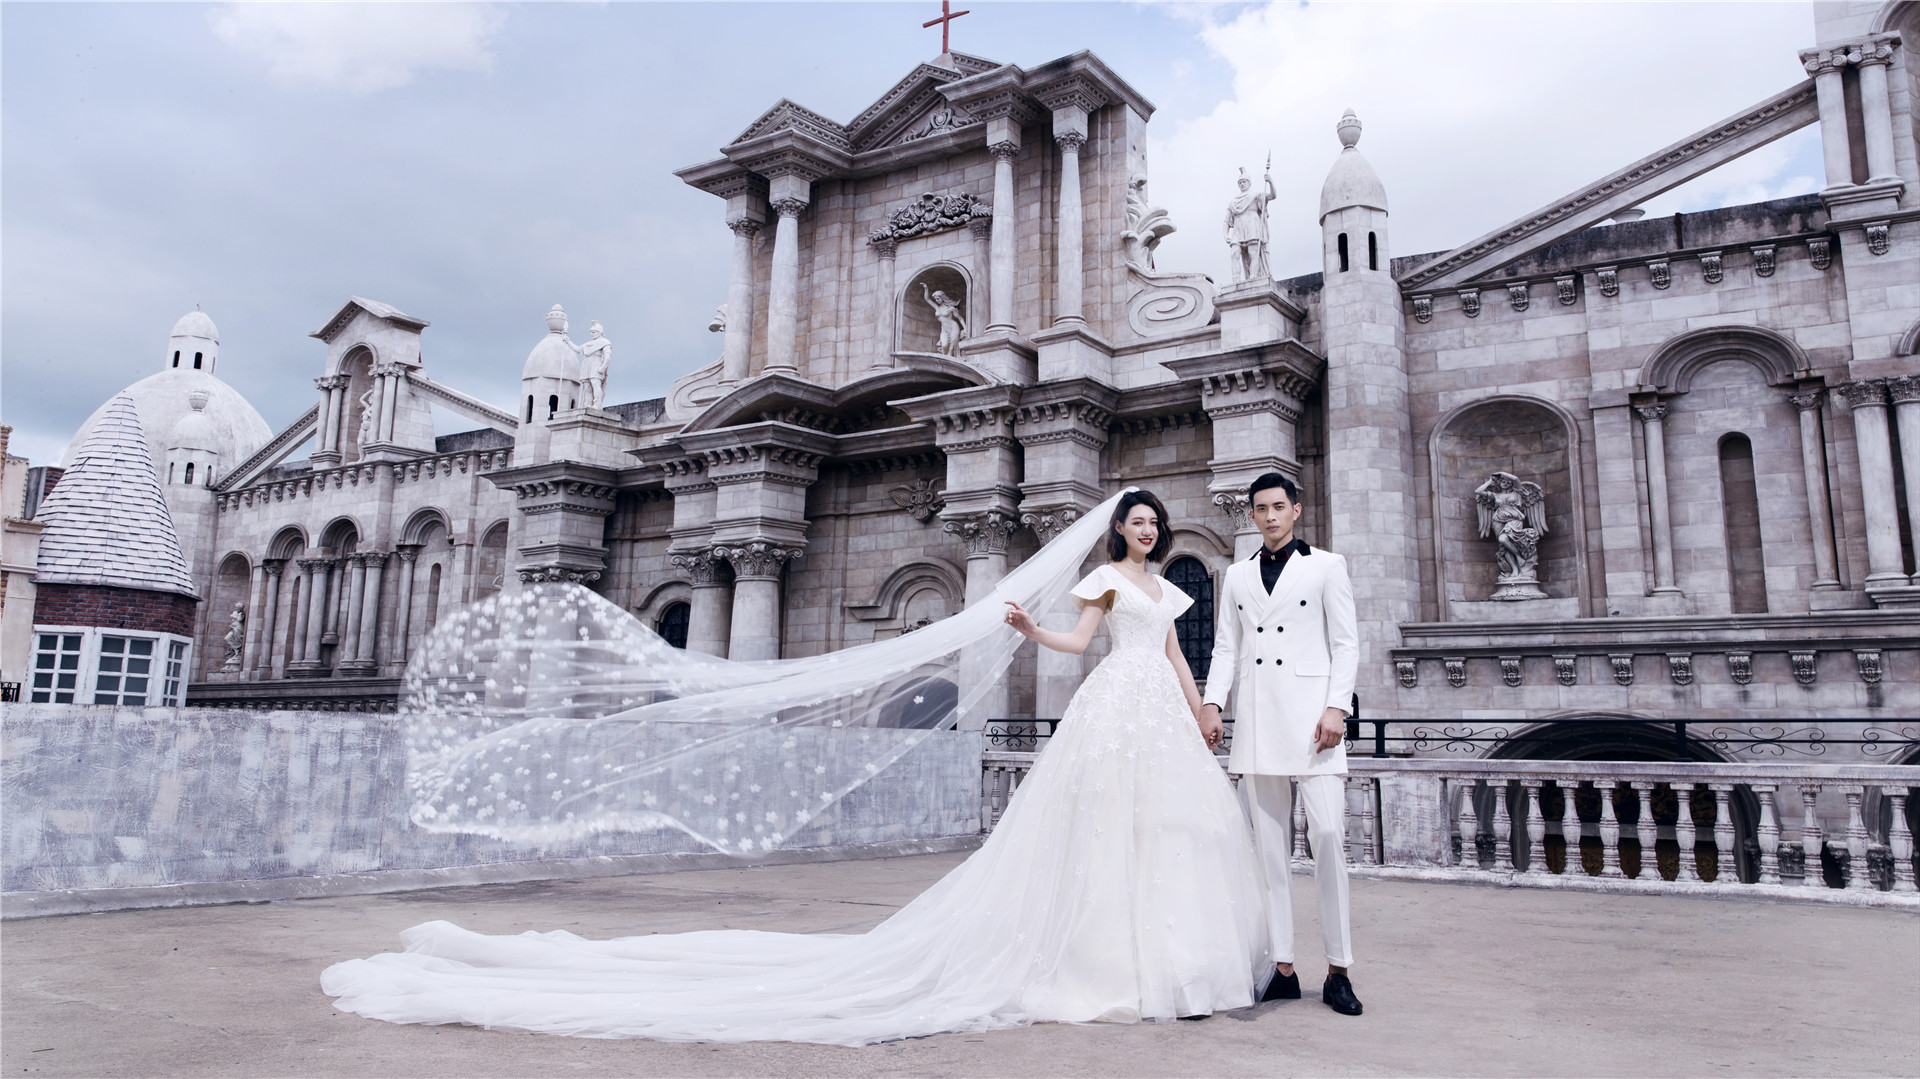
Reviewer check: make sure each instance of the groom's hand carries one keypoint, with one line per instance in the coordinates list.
(1331, 731)
(1211, 728)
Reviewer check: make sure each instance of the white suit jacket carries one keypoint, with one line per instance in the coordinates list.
(1284, 659)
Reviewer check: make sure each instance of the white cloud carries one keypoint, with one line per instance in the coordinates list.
(1475, 113)
(359, 48)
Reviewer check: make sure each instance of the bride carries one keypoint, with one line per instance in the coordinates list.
(1120, 885)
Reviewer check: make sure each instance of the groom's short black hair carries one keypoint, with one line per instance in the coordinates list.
(1267, 482)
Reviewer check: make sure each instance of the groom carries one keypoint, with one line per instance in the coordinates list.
(1286, 647)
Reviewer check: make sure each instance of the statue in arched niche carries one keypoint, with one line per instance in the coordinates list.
(1513, 513)
(946, 311)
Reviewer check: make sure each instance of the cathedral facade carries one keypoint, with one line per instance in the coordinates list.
(1589, 464)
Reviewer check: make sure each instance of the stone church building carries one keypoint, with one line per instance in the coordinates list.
(946, 336)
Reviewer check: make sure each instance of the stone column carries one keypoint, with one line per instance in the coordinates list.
(313, 601)
(985, 535)
(783, 308)
(1813, 463)
(1876, 114)
(374, 566)
(1905, 392)
(1056, 674)
(389, 401)
(462, 570)
(1868, 400)
(1653, 417)
(884, 286)
(349, 646)
(733, 362)
(269, 614)
(1069, 284)
(331, 596)
(711, 604)
(755, 633)
(335, 386)
(256, 599)
(1006, 237)
(403, 606)
(1830, 91)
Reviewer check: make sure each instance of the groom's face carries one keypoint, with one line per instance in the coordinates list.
(1274, 515)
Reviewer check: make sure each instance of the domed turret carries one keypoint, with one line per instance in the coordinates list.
(553, 357)
(194, 343)
(549, 385)
(193, 448)
(1351, 181)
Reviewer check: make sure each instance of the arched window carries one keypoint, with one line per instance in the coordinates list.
(553, 405)
(433, 597)
(189, 473)
(1740, 510)
(1373, 251)
(196, 361)
(1194, 628)
(1343, 252)
(529, 408)
(171, 465)
(176, 357)
(673, 624)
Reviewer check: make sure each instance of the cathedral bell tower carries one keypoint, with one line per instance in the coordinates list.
(1369, 429)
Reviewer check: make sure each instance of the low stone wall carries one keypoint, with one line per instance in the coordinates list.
(185, 802)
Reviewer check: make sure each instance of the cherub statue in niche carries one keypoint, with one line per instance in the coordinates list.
(1513, 512)
(236, 637)
(946, 311)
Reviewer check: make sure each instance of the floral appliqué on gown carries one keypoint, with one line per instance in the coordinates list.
(1119, 885)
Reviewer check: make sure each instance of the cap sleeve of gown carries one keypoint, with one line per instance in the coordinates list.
(1181, 601)
(1094, 590)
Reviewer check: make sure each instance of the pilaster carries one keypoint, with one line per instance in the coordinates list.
(562, 521)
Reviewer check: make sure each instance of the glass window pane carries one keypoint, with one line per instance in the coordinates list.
(43, 681)
(70, 643)
(139, 666)
(110, 664)
(48, 642)
(41, 698)
(105, 698)
(109, 683)
(67, 681)
(135, 687)
(69, 661)
(113, 644)
(140, 647)
(44, 660)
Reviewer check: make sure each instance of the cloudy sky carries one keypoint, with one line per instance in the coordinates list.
(473, 164)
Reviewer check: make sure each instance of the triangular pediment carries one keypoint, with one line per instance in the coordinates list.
(905, 111)
(791, 116)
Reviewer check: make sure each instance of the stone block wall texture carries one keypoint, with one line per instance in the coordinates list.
(102, 797)
(113, 608)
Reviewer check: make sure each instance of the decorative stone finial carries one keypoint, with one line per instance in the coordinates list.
(557, 320)
(1349, 129)
(197, 400)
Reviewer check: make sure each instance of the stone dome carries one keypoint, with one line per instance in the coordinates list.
(196, 324)
(1351, 181)
(194, 431)
(233, 428)
(553, 357)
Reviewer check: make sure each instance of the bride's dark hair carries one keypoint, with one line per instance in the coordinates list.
(1117, 544)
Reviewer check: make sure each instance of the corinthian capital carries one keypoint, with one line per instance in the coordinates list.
(1904, 390)
(1653, 413)
(1071, 141)
(1807, 399)
(789, 207)
(745, 227)
(1237, 508)
(701, 567)
(983, 533)
(757, 559)
(1869, 393)
(1004, 151)
(1048, 524)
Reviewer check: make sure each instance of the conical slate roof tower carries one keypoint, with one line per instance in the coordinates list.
(107, 522)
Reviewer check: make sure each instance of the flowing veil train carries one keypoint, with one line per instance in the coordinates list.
(1120, 883)
(551, 714)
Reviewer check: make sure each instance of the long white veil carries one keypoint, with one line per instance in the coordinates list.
(550, 714)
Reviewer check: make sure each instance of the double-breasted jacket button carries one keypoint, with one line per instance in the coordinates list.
(1278, 662)
(1238, 607)
(1279, 629)
(1259, 661)
(1303, 603)
(1259, 629)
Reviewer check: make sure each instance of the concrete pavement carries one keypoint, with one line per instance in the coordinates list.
(1458, 980)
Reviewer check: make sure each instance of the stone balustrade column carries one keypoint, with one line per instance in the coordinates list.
(1905, 394)
(1876, 110)
(884, 298)
(1006, 238)
(1653, 418)
(1868, 401)
(356, 589)
(1830, 91)
(403, 606)
(269, 615)
(733, 361)
(1813, 464)
(373, 568)
(985, 536)
(783, 308)
(1069, 272)
(710, 608)
(332, 595)
(256, 599)
(755, 632)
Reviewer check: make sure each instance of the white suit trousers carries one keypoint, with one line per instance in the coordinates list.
(1325, 800)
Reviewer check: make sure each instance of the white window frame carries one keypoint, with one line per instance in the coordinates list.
(165, 687)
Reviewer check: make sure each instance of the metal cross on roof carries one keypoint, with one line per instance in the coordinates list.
(945, 23)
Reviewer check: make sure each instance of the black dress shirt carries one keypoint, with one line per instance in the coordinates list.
(1273, 563)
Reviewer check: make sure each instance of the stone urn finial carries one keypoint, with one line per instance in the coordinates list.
(1349, 129)
(557, 320)
(197, 400)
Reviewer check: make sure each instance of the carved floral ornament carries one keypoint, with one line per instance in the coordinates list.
(920, 498)
(1764, 260)
(1877, 236)
(1711, 267)
(929, 214)
(1049, 523)
(983, 533)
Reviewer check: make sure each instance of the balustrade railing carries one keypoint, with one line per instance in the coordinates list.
(1614, 826)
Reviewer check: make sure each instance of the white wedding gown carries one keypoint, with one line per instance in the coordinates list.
(1119, 885)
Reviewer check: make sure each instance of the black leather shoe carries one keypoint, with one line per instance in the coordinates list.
(1282, 987)
(1193, 1018)
(1338, 995)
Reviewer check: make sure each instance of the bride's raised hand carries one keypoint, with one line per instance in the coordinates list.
(1020, 620)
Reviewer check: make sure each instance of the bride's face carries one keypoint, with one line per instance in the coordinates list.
(1141, 530)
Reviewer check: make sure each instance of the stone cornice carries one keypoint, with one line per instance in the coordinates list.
(1277, 377)
(1872, 49)
(1667, 168)
(967, 419)
(273, 452)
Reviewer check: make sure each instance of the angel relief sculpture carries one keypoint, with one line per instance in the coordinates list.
(1513, 513)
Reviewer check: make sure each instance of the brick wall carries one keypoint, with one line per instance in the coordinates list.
(113, 608)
